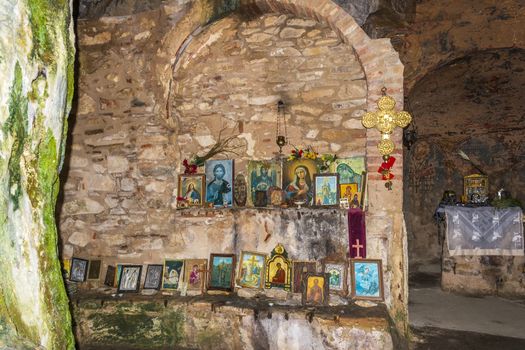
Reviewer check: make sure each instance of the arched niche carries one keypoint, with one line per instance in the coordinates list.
(234, 72)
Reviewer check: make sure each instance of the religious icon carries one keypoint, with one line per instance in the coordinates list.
(367, 281)
(219, 180)
(195, 273)
(191, 188)
(110, 276)
(153, 277)
(251, 270)
(240, 191)
(298, 183)
(299, 269)
(337, 275)
(172, 274)
(276, 196)
(79, 269)
(94, 269)
(315, 291)
(129, 278)
(262, 176)
(278, 269)
(261, 199)
(351, 193)
(350, 170)
(221, 276)
(326, 190)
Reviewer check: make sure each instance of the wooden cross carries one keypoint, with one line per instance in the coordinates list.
(358, 247)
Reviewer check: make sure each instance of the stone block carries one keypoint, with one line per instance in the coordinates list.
(83, 206)
(101, 183)
(117, 164)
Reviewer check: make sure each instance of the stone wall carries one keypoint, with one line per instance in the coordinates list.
(158, 86)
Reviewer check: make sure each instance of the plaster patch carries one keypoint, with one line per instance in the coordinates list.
(250, 143)
(312, 134)
(205, 140)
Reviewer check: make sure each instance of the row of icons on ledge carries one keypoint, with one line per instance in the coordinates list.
(255, 270)
(272, 183)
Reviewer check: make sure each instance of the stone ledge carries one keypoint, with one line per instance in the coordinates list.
(225, 322)
(219, 212)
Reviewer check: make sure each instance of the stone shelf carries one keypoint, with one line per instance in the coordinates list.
(134, 321)
(258, 304)
(217, 212)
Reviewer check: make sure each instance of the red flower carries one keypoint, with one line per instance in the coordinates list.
(300, 153)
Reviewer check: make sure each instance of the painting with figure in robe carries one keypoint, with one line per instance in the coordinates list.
(262, 175)
(251, 270)
(316, 289)
(299, 269)
(298, 181)
(153, 277)
(350, 170)
(279, 269)
(326, 190)
(195, 273)
(79, 269)
(367, 279)
(337, 276)
(219, 182)
(129, 280)
(222, 271)
(191, 188)
(172, 276)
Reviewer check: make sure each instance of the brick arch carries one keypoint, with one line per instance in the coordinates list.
(379, 60)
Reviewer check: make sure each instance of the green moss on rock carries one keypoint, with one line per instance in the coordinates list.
(42, 15)
(140, 329)
(16, 127)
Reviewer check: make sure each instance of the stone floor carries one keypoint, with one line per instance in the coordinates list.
(442, 320)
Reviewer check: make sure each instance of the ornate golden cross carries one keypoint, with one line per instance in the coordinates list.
(386, 119)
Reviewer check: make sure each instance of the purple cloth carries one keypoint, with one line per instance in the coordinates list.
(356, 232)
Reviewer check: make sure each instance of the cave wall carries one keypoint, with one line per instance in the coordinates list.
(464, 73)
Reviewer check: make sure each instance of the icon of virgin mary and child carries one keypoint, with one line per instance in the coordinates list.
(300, 188)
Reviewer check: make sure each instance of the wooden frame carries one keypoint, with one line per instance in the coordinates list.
(94, 269)
(337, 272)
(110, 276)
(292, 171)
(298, 269)
(172, 274)
(79, 269)
(257, 181)
(196, 279)
(279, 270)
(362, 203)
(195, 196)
(221, 277)
(129, 281)
(367, 279)
(251, 275)
(315, 285)
(153, 278)
(327, 193)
